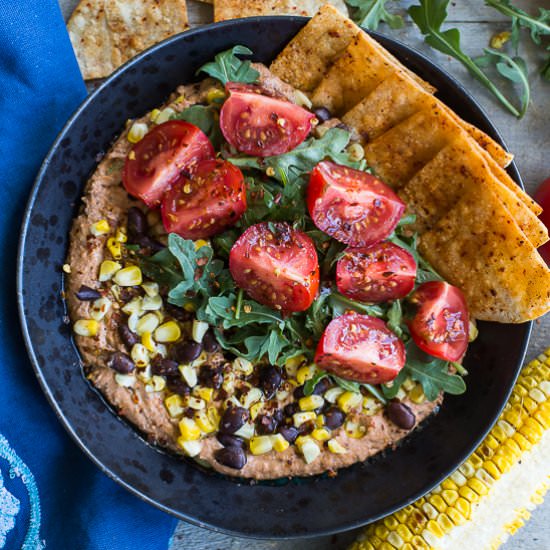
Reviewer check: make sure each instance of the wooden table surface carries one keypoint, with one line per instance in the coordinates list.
(528, 139)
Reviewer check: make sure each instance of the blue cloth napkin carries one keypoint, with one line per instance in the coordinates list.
(50, 494)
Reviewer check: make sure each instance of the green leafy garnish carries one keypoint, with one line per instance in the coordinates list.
(204, 117)
(370, 13)
(227, 67)
(429, 16)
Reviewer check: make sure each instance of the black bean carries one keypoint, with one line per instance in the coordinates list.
(270, 380)
(291, 409)
(306, 427)
(129, 338)
(121, 362)
(211, 377)
(290, 433)
(186, 351)
(177, 385)
(137, 224)
(87, 294)
(400, 414)
(209, 342)
(334, 418)
(177, 312)
(127, 293)
(153, 245)
(164, 367)
(322, 386)
(266, 424)
(233, 419)
(278, 415)
(298, 392)
(322, 114)
(232, 457)
(228, 440)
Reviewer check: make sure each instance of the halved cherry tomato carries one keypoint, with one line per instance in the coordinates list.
(441, 325)
(361, 348)
(276, 266)
(157, 160)
(259, 125)
(209, 201)
(542, 196)
(352, 206)
(377, 273)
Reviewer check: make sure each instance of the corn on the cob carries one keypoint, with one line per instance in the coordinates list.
(491, 495)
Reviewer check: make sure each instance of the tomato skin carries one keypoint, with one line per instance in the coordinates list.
(157, 160)
(260, 125)
(204, 204)
(441, 325)
(378, 273)
(542, 196)
(360, 348)
(352, 206)
(277, 268)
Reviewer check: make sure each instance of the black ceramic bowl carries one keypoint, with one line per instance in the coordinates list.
(359, 494)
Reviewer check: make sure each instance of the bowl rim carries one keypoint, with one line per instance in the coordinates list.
(58, 410)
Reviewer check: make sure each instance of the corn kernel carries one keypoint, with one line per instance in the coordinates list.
(354, 430)
(416, 395)
(191, 448)
(199, 243)
(125, 380)
(204, 423)
(150, 288)
(305, 373)
(321, 434)
(101, 227)
(279, 443)
(195, 403)
(189, 429)
(114, 248)
(135, 305)
(189, 307)
(332, 394)
(137, 132)
(120, 235)
(213, 416)
(311, 402)
(168, 332)
(148, 342)
(292, 365)
(320, 421)
(301, 99)
(335, 447)
(260, 444)
(100, 308)
(215, 95)
(157, 383)
(148, 323)
(107, 269)
(174, 405)
(349, 400)
(165, 115)
(128, 276)
(300, 417)
(66, 268)
(355, 152)
(139, 355)
(256, 409)
(243, 365)
(204, 393)
(253, 395)
(246, 431)
(86, 327)
(154, 114)
(200, 328)
(371, 405)
(309, 449)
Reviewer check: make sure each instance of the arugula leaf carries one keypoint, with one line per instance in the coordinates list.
(310, 384)
(347, 385)
(340, 304)
(545, 71)
(227, 67)
(318, 315)
(395, 318)
(369, 13)
(203, 116)
(429, 16)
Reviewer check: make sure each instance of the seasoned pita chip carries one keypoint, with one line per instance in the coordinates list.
(308, 56)
(233, 9)
(460, 169)
(399, 97)
(106, 33)
(355, 74)
(478, 247)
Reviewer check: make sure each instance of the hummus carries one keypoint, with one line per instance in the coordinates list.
(206, 386)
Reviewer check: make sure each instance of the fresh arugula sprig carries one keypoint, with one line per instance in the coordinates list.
(429, 17)
(370, 13)
(227, 67)
(205, 117)
(538, 26)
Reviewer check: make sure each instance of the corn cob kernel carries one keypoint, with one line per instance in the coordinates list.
(321, 434)
(86, 327)
(349, 400)
(204, 422)
(151, 303)
(256, 409)
(204, 393)
(114, 248)
(174, 405)
(150, 288)
(354, 430)
(260, 444)
(191, 448)
(107, 269)
(335, 447)
(189, 429)
(125, 380)
(148, 323)
(137, 132)
(332, 394)
(148, 342)
(168, 332)
(253, 395)
(165, 115)
(300, 417)
(100, 308)
(292, 365)
(195, 403)
(320, 421)
(215, 95)
(246, 431)
(139, 355)
(243, 365)
(305, 373)
(101, 227)
(416, 395)
(200, 328)
(308, 447)
(311, 402)
(279, 443)
(157, 383)
(128, 276)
